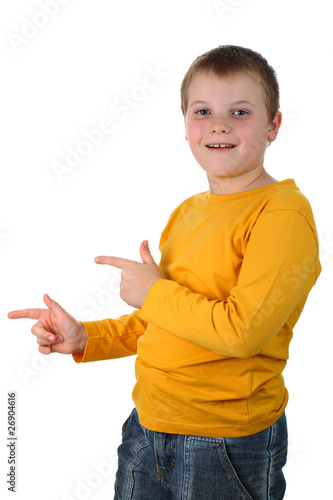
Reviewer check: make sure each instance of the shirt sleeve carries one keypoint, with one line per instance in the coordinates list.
(112, 338)
(279, 267)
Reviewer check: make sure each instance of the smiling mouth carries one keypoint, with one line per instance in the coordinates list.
(220, 146)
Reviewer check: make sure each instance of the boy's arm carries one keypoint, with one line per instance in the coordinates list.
(279, 268)
(112, 338)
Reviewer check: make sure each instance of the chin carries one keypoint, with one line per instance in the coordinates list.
(219, 173)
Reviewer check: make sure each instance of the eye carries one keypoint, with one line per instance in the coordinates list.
(240, 112)
(202, 112)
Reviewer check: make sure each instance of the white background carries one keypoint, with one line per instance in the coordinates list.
(63, 79)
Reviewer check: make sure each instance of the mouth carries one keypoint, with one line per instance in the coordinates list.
(220, 146)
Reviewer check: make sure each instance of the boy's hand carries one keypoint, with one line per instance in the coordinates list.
(136, 278)
(56, 329)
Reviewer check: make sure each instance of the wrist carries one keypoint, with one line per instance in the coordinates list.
(83, 337)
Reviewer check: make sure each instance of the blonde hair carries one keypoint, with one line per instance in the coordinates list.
(231, 59)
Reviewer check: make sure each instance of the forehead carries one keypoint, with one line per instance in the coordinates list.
(207, 86)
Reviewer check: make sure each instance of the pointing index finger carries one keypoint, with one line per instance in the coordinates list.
(112, 261)
(25, 313)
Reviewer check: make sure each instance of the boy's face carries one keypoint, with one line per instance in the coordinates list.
(228, 111)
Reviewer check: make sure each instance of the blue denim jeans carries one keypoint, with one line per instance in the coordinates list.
(158, 466)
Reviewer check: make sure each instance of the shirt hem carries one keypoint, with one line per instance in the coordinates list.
(221, 431)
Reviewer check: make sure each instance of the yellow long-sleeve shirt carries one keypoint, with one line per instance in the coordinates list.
(212, 338)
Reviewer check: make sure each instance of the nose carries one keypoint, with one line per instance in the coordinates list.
(220, 126)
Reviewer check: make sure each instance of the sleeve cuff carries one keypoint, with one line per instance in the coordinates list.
(93, 349)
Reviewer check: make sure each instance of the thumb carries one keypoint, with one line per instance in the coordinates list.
(51, 304)
(145, 253)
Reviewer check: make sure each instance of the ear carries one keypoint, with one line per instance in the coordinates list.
(274, 127)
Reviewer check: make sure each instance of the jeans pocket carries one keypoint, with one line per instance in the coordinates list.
(233, 475)
(257, 461)
(210, 474)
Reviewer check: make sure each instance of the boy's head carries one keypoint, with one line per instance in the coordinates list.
(230, 102)
(226, 60)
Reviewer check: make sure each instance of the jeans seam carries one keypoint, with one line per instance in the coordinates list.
(186, 472)
(270, 462)
(137, 462)
(279, 455)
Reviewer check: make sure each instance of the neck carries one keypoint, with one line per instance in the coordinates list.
(247, 182)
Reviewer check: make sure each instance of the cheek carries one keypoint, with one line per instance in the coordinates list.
(195, 135)
(255, 139)
(195, 127)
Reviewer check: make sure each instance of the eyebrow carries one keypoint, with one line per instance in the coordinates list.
(242, 101)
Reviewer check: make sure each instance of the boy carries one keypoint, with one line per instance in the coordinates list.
(215, 318)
